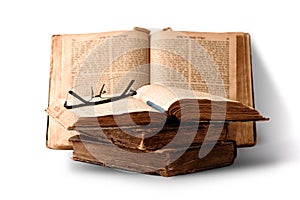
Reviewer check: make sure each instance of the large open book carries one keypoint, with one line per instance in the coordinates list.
(207, 69)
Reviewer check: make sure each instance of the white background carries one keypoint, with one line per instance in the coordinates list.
(30, 170)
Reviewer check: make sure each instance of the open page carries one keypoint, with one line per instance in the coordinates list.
(87, 62)
(163, 97)
(192, 60)
(113, 58)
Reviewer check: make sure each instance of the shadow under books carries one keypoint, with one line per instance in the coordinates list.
(273, 145)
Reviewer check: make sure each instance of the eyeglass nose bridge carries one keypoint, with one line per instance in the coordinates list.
(102, 91)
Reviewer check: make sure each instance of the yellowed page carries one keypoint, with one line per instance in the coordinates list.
(197, 61)
(84, 62)
(112, 58)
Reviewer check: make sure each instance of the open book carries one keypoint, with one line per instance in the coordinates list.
(154, 104)
(214, 63)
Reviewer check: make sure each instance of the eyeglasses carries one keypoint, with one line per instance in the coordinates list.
(126, 93)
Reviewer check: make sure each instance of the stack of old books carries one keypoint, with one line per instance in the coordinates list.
(146, 118)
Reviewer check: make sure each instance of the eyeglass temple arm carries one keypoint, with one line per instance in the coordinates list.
(128, 87)
(77, 96)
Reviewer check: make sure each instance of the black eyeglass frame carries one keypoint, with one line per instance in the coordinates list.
(126, 93)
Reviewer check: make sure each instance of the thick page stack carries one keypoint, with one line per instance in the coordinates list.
(156, 137)
(169, 162)
(136, 91)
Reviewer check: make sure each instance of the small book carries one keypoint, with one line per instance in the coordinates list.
(166, 162)
(215, 66)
